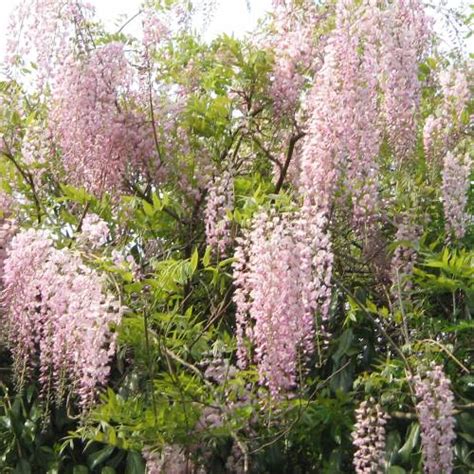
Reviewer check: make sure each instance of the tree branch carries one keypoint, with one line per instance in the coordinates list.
(25, 175)
(289, 155)
(267, 153)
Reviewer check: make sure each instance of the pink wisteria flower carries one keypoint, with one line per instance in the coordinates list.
(59, 319)
(94, 231)
(443, 129)
(457, 170)
(368, 438)
(100, 137)
(292, 45)
(271, 297)
(435, 409)
(220, 202)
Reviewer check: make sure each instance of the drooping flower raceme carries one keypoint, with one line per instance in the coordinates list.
(171, 460)
(342, 135)
(292, 45)
(98, 136)
(404, 256)
(368, 438)
(320, 170)
(152, 460)
(360, 95)
(37, 151)
(271, 300)
(442, 129)
(7, 227)
(6, 233)
(45, 31)
(58, 318)
(220, 201)
(435, 409)
(154, 29)
(94, 230)
(455, 89)
(456, 182)
(404, 38)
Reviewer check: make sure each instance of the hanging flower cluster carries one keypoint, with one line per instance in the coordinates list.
(154, 30)
(342, 142)
(220, 201)
(58, 318)
(94, 231)
(442, 129)
(404, 257)
(369, 438)
(441, 135)
(37, 150)
(436, 415)
(271, 298)
(341, 131)
(347, 121)
(46, 29)
(172, 460)
(403, 40)
(292, 45)
(455, 187)
(7, 230)
(99, 138)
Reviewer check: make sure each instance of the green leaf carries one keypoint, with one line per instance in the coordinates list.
(194, 260)
(148, 209)
(345, 342)
(461, 326)
(157, 203)
(396, 470)
(410, 443)
(80, 469)
(94, 459)
(206, 259)
(108, 470)
(79, 195)
(135, 464)
(23, 467)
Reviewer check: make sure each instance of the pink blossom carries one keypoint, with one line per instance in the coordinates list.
(455, 187)
(270, 298)
(435, 409)
(125, 262)
(45, 30)
(6, 203)
(7, 230)
(171, 460)
(442, 129)
(292, 45)
(404, 257)
(94, 230)
(220, 202)
(404, 40)
(154, 29)
(434, 136)
(36, 147)
(455, 89)
(342, 136)
(98, 135)
(58, 318)
(369, 438)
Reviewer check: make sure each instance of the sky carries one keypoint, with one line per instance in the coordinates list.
(231, 16)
